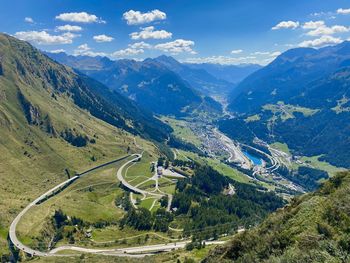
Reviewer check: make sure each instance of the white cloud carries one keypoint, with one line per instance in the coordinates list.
(56, 51)
(103, 38)
(177, 46)
(29, 20)
(44, 38)
(275, 54)
(85, 50)
(321, 42)
(224, 60)
(262, 53)
(313, 24)
(127, 52)
(266, 53)
(69, 28)
(343, 11)
(286, 24)
(236, 51)
(137, 18)
(148, 32)
(324, 30)
(140, 45)
(81, 17)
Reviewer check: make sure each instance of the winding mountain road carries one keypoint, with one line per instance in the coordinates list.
(133, 251)
(12, 231)
(129, 186)
(126, 252)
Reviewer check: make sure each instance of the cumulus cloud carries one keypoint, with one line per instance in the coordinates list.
(149, 32)
(236, 51)
(29, 20)
(79, 17)
(127, 52)
(321, 42)
(313, 24)
(324, 30)
(286, 24)
(343, 11)
(177, 46)
(56, 51)
(85, 50)
(140, 45)
(137, 18)
(103, 38)
(69, 28)
(44, 38)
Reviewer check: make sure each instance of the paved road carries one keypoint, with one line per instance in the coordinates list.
(134, 250)
(43, 197)
(129, 252)
(129, 186)
(138, 190)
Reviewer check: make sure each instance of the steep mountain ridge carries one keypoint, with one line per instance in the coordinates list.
(199, 78)
(52, 124)
(287, 76)
(301, 99)
(149, 83)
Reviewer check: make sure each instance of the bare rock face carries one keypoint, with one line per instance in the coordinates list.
(48, 126)
(35, 117)
(31, 112)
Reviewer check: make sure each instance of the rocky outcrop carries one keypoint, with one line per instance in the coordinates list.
(75, 139)
(48, 127)
(31, 112)
(34, 116)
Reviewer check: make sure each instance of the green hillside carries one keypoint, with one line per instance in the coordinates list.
(43, 131)
(313, 228)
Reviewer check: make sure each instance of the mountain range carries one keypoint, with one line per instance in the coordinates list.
(231, 73)
(302, 99)
(149, 83)
(289, 76)
(162, 85)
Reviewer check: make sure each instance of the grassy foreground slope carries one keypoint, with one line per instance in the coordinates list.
(43, 131)
(313, 228)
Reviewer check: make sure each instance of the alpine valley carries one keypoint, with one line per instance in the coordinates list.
(157, 153)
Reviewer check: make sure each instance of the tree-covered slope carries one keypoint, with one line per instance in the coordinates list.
(302, 99)
(313, 228)
(288, 76)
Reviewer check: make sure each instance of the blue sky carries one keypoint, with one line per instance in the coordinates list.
(218, 31)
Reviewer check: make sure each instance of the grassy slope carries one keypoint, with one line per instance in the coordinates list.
(24, 177)
(217, 165)
(182, 131)
(314, 228)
